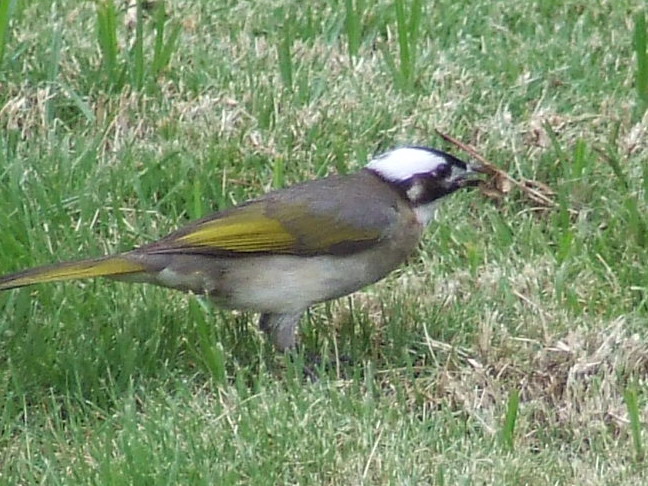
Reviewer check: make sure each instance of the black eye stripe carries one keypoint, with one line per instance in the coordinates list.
(443, 171)
(425, 188)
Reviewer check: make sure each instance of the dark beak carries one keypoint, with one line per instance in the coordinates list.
(469, 178)
(478, 168)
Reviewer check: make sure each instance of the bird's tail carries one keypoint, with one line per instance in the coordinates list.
(111, 266)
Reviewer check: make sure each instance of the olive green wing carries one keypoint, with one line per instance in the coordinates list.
(268, 226)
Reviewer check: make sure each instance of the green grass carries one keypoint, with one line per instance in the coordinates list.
(512, 349)
(5, 16)
(630, 397)
(641, 51)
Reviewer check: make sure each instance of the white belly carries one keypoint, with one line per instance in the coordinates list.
(282, 283)
(275, 284)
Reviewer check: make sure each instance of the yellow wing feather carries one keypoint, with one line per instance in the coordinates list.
(243, 232)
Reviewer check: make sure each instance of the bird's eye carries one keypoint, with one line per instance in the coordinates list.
(442, 171)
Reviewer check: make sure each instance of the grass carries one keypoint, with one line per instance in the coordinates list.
(512, 349)
(508, 429)
(5, 15)
(641, 52)
(630, 397)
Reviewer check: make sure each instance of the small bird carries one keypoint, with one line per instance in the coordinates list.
(291, 248)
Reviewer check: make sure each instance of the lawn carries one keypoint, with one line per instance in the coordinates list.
(511, 349)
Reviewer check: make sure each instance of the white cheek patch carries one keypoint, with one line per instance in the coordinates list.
(416, 191)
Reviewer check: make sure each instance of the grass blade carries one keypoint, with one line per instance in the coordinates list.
(614, 163)
(508, 430)
(636, 223)
(54, 60)
(6, 9)
(413, 28)
(209, 350)
(78, 101)
(642, 61)
(278, 173)
(163, 50)
(198, 209)
(107, 38)
(645, 182)
(403, 43)
(137, 51)
(352, 28)
(391, 64)
(284, 51)
(408, 29)
(630, 398)
(414, 24)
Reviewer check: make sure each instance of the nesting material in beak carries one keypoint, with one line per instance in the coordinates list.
(468, 179)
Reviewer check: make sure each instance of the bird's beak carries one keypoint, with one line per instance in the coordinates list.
(478, 168)
(469, 178)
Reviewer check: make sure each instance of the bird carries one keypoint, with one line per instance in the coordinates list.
(281, 253)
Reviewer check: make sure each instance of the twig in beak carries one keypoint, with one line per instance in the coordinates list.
(501, 181)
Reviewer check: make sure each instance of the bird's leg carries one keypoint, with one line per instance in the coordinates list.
(281, 329)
